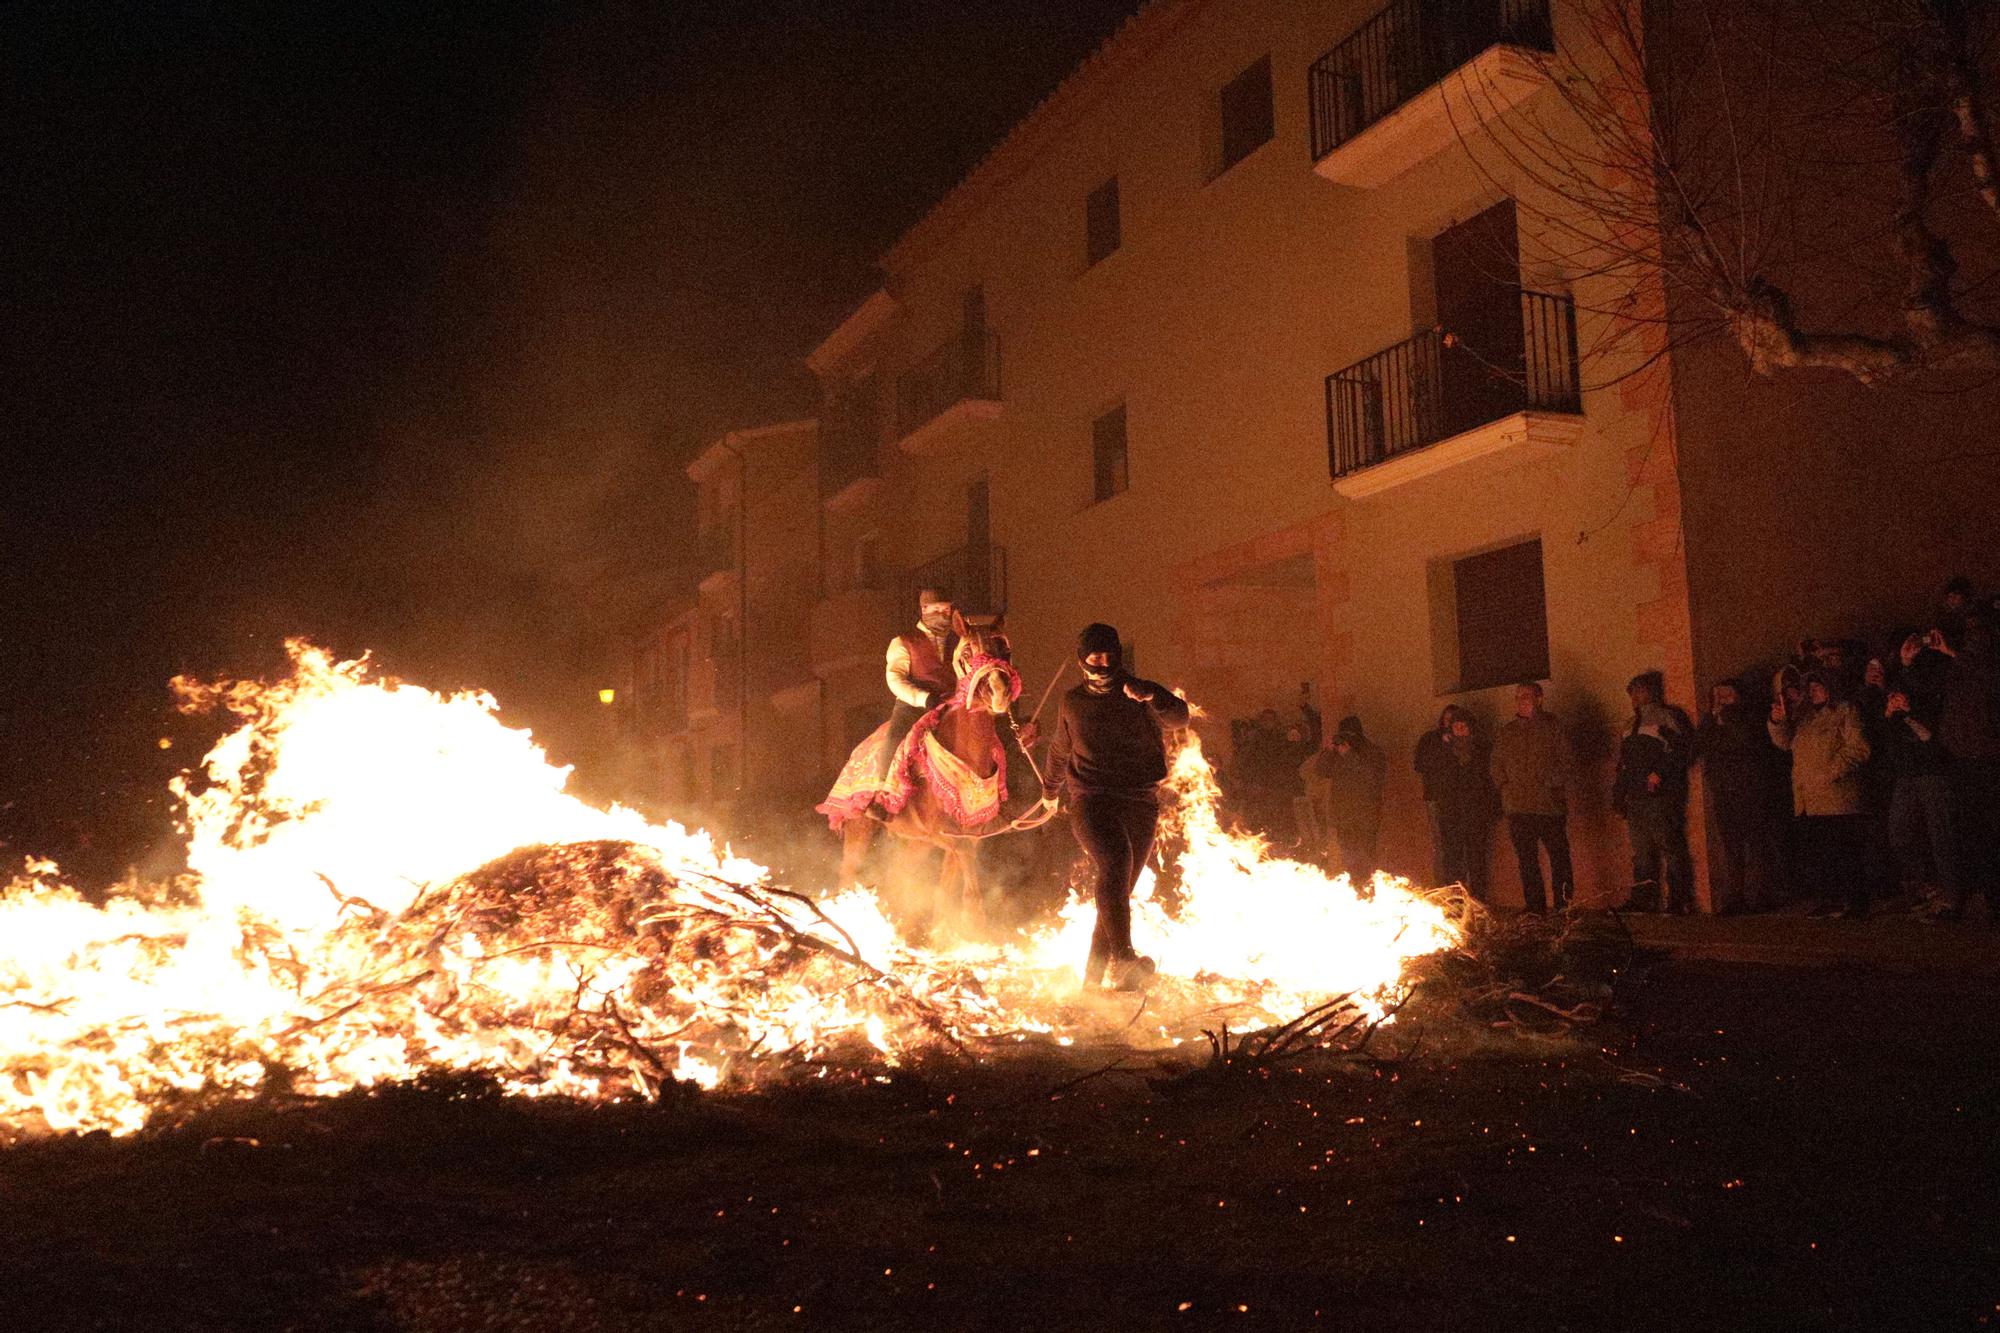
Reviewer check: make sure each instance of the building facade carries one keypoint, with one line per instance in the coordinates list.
(1238, 343)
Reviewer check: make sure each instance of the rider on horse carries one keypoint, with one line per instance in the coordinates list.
(921, 672)
(926, 669)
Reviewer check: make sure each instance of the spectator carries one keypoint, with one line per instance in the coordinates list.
(1921, 668)
(1739, 769)
(1969, 727)
(1352, 769)
(1953, 606)
(1790, 685)
(1650, 791)
(1453, 762)
(1430, 758)
(1309, 718)
(1878, 781)
(1263, 774)
(1828, 748)
(1531, 767)
(1288, 779)
(1923, 807)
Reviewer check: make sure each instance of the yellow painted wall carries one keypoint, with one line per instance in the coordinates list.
(1216, 324)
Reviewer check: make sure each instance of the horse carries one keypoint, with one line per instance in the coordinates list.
(947, 781)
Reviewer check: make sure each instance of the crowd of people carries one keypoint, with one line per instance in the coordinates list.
(1854, 774)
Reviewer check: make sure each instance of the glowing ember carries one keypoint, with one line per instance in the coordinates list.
(384, 881)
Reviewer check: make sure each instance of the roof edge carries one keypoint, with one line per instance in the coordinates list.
(1135, 40)
(868, 318)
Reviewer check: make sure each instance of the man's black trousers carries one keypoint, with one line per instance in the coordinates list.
(1116, 832)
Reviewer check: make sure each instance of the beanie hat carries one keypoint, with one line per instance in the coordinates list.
(1100, 638)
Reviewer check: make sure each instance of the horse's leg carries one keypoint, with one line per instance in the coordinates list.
(856, 836)
(972, 900)
(950, 870)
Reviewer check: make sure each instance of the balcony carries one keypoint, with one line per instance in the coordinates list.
(853, 628)
(1436, 401)
(1406, 83)
(975, 576)
(954, 387)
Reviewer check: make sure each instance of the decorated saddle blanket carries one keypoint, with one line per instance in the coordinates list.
(967, 798)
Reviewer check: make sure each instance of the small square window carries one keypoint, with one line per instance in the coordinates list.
(1109, 464)
(1102, 234)
(1247, 120)
(1501, 616)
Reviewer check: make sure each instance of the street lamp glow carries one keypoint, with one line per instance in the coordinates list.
(607, 696)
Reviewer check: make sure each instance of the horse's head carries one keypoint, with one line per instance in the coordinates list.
(985, 656)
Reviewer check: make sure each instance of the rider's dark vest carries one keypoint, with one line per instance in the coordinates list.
(928, 667)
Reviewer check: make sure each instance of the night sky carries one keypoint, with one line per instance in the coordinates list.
(392, 325)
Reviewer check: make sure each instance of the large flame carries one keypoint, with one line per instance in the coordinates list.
(383, 881)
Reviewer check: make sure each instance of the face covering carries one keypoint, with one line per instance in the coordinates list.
(937, 622)
(1100, 678)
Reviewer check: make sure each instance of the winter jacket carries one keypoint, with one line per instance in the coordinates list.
(1648, 770)
(1912, 748)
(1532, 765)
(1737, 762)
(1110, 744)
(1828, 749)
(1923, 680)
(1455, 774)
(1353, 783)
(1433, 749)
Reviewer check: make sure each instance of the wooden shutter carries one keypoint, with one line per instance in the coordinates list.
(1503, 618)
(1247, 122)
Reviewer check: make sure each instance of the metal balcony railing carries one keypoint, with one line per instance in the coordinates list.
(975, 576)
(1440, 384)
(967, 367)
(1406, 48)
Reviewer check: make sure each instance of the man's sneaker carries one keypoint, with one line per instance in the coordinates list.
(1132, 974)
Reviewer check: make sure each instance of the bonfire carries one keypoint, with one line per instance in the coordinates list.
(384, 882)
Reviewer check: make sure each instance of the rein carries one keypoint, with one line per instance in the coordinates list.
(1043, 813)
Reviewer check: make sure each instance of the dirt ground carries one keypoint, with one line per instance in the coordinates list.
(1769, 1148)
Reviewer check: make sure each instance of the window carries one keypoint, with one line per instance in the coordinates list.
(1246, 114)
(1109, 465)
(1100, 221)
(1502, 617)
